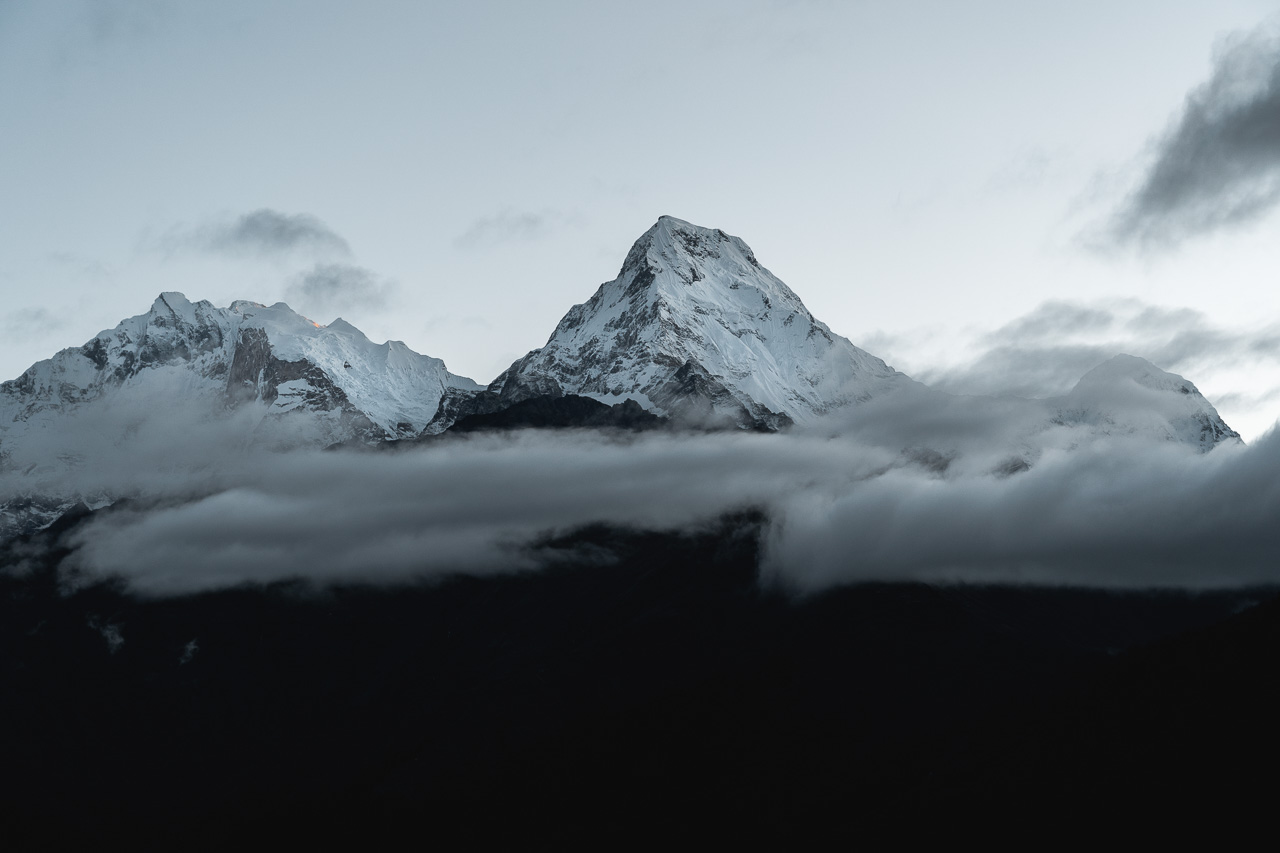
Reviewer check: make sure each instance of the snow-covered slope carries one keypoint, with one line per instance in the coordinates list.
(1130, 396)
(694, 326)
(301, 382)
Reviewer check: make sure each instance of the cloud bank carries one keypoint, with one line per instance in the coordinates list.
(1218, 166)
(843, 506)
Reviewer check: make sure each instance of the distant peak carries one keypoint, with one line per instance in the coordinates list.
(1131, 368)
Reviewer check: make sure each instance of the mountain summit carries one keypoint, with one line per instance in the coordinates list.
(695, 328)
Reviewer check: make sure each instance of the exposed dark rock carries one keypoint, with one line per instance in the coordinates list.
(562, 413)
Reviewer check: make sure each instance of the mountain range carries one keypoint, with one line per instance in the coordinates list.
(693, 330)
(609, 671)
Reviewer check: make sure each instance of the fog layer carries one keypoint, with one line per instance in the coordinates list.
(918, 487)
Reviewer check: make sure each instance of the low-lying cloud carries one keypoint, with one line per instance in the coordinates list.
(913, 485)
(1218, 166)
(843, 507)
(467, 507)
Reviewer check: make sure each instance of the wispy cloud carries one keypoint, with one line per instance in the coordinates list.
(263, 233)
(28, 324)
(338, 287)
(508, 226)
(1218, 166)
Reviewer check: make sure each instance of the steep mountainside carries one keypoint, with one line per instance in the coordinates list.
(693, 327)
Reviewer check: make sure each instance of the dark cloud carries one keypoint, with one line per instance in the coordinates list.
(1219, 164)
(507, 227)
(263, 232)
(338, 287)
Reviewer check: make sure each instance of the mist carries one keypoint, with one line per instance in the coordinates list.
(916, 486)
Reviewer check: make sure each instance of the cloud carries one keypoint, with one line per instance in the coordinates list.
(1111, 515)
(261, 233)
(1045, 352)
(914, 485)
(1218, 166)
(339, 287)
(1115, 513)
(508, 226)
(468, 506)
(30, 324)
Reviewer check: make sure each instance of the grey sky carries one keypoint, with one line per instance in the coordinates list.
(916, 173)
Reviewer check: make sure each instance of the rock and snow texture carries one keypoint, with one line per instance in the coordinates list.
(1130, 396)
(695, 327)
(291, 380)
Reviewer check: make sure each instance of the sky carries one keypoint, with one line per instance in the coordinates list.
(992, 196)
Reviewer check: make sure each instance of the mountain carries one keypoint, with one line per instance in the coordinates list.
(693, 332)
(694, 328)
(1127, 395)
(266, 373)
(269, 357)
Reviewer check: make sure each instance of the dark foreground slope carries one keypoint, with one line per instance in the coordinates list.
(661, 692)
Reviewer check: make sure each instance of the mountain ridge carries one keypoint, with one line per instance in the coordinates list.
(694, 332)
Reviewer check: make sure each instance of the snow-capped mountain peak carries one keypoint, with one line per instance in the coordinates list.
(247, 353)
(694, 326)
